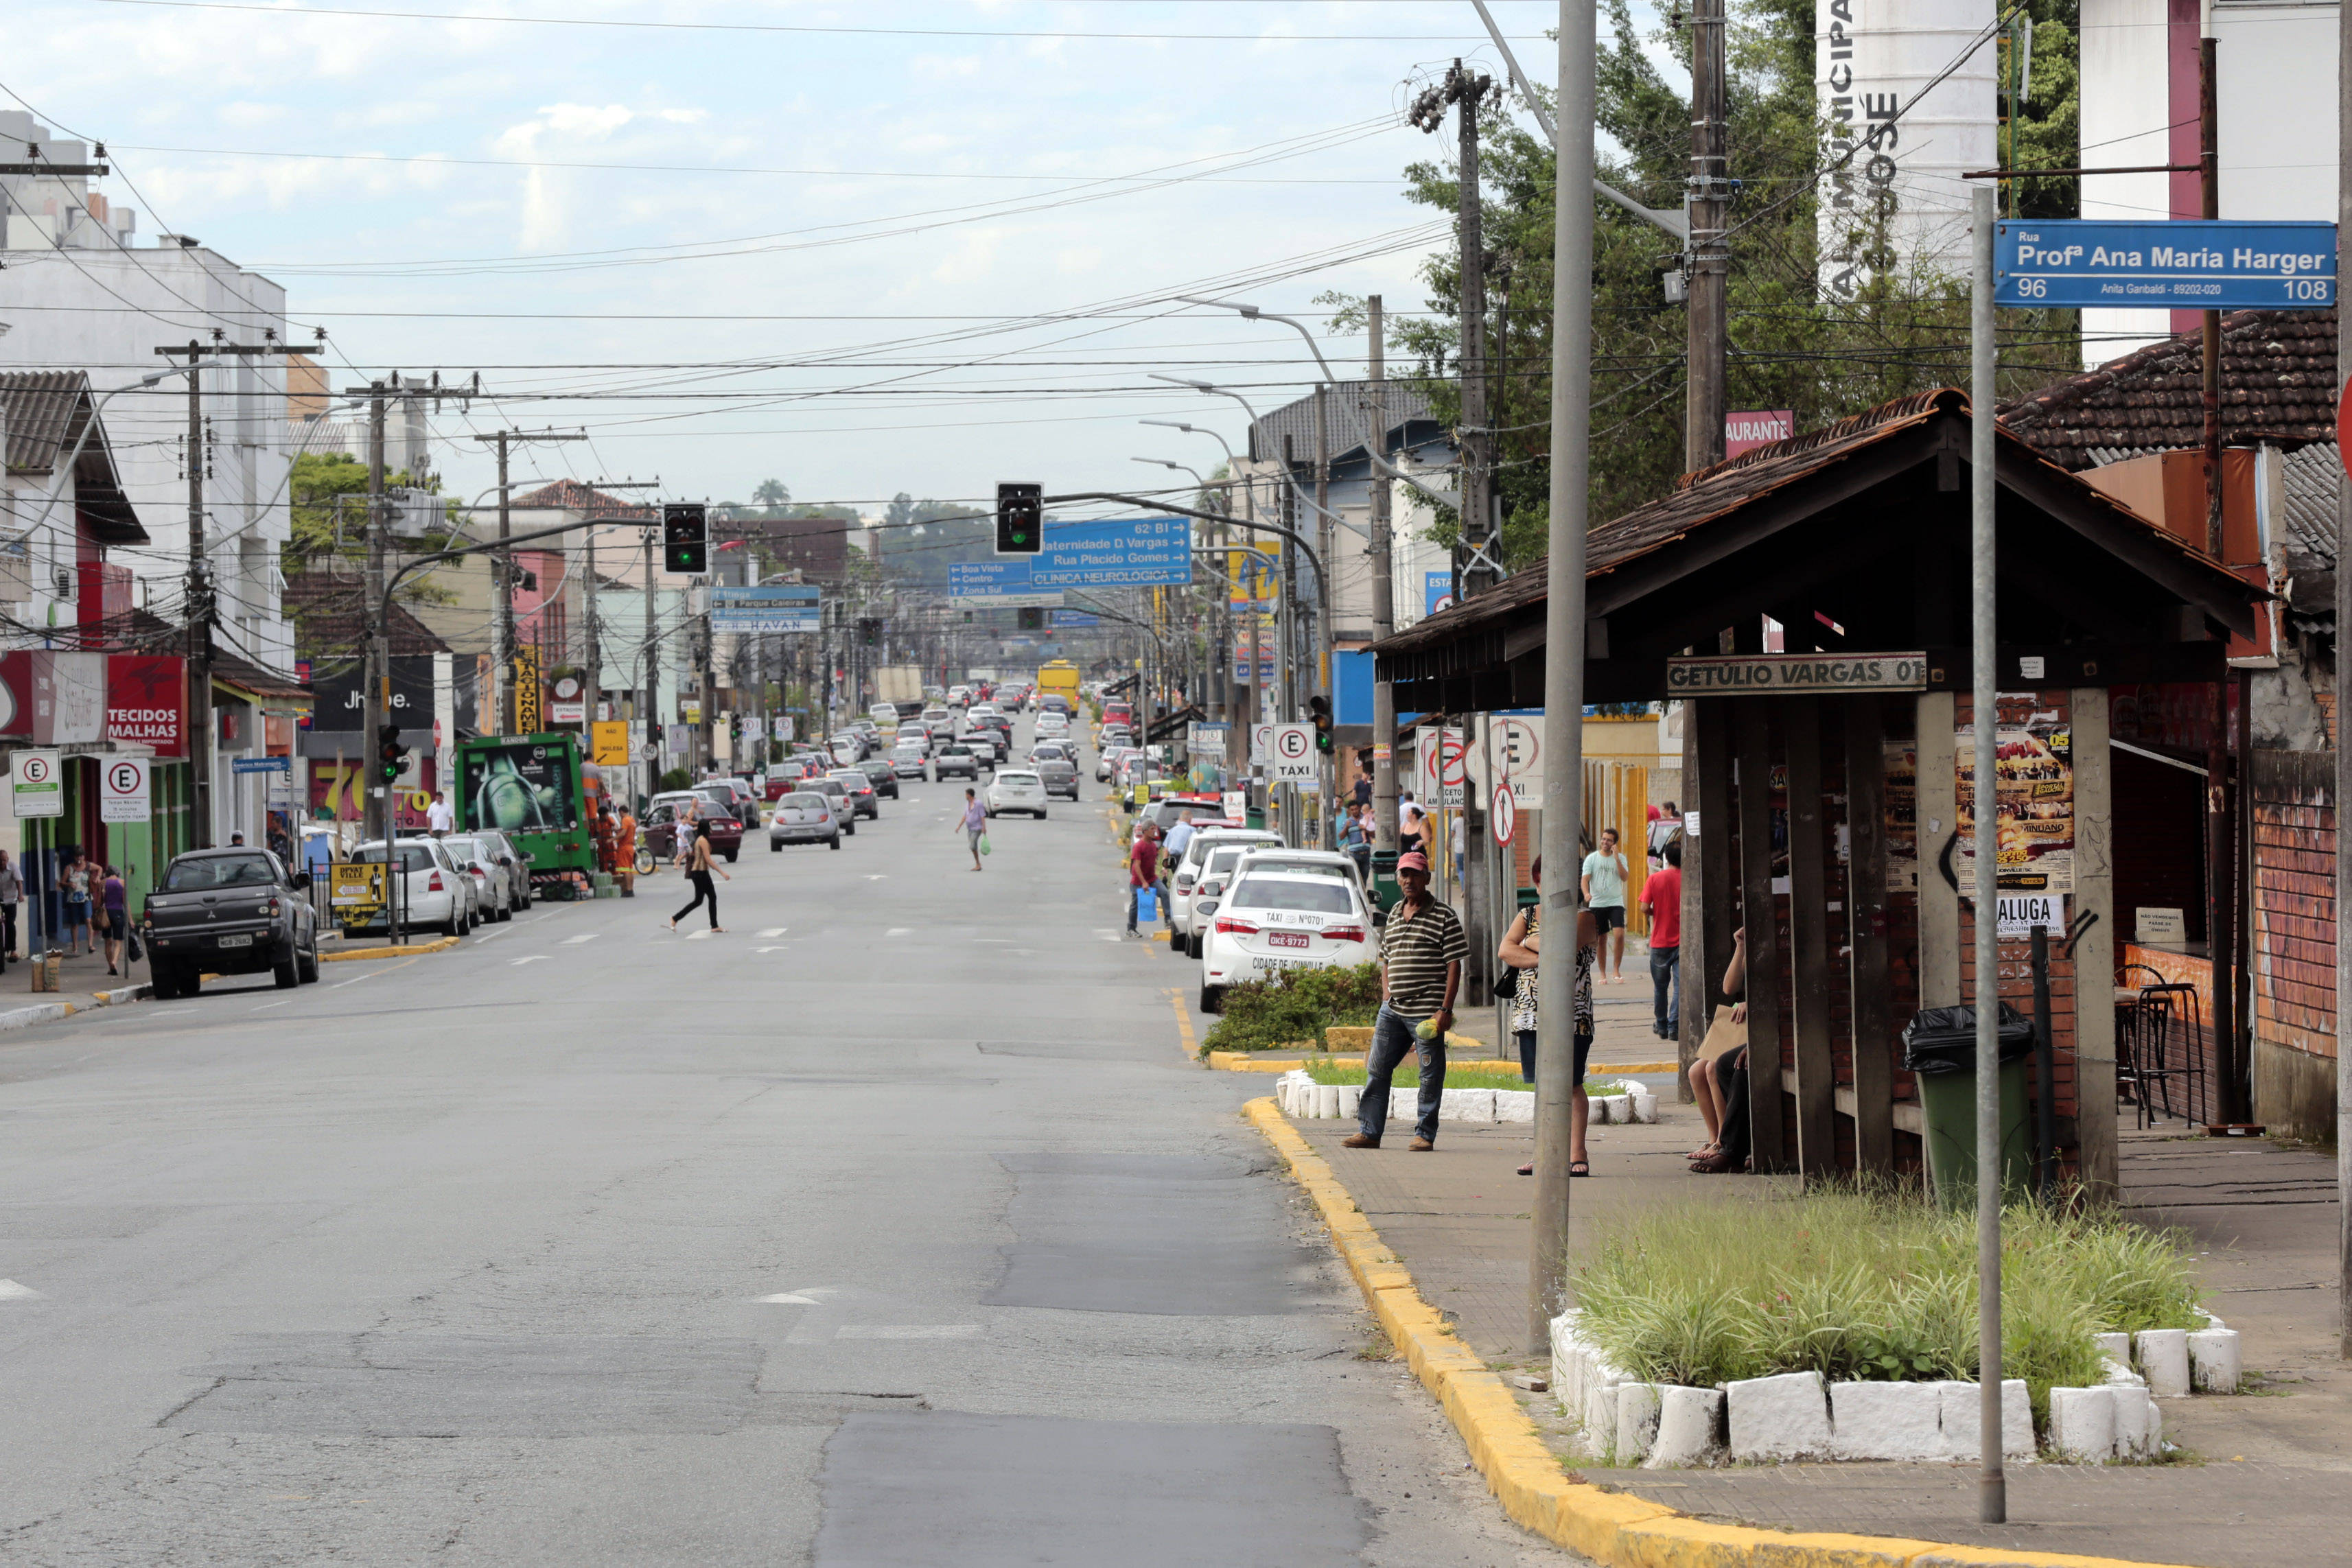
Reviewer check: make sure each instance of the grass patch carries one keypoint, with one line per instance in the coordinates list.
(1479, 1073)
(1874, 1284)
(1296, 1005)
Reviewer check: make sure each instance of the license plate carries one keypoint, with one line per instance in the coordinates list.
(246, 940)
(1286, 939)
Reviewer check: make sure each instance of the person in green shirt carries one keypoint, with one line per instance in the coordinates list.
(1604, 893)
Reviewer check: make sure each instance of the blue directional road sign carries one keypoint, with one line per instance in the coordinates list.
(1133, 552)
(2182, 263)
(775, 607)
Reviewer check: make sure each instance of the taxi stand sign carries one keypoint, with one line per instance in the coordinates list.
(2201, 264)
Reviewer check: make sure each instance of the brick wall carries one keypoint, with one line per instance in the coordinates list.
(2294, 900)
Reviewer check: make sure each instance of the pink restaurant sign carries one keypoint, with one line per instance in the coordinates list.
(1746, 432)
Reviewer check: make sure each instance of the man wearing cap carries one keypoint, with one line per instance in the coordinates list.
(1423, 949)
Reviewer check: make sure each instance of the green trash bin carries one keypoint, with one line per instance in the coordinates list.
(1948, 1109)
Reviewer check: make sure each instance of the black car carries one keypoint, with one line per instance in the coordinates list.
(235, 911)
(955, 759)
(885, 776)
(1059, 775)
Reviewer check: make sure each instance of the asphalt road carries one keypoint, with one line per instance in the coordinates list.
(889, 1227)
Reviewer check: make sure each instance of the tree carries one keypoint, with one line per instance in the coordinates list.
(772, 492)
(1789, 347)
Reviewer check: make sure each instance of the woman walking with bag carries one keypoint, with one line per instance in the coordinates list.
(698, 867)
(1523, 951)
(114, 911)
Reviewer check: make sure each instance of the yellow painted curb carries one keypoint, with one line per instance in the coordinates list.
(1617, 1528)
(440, 944)
(1591, 1068)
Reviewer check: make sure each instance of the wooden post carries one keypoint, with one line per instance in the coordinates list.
(1809, 943)
(2095, 952)
(1707, 864)
(1938, 816)
(1874, 1026)
(1752, 742)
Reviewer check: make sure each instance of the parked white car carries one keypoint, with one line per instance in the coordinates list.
(433, 894)
(1193, 870)
(493, 890)
(1275, 920)
(1015, 790)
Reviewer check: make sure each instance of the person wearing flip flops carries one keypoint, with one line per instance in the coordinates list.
(974, 824)
(1422, 948)
(1522, 950)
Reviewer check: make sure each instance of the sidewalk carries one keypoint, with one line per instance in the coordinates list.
(2264, 1481)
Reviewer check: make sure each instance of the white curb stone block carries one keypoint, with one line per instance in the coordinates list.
(2120, 1372)
(1782, 1418)
(2214, 1361)
(1637, 1420)
(1326, 1100)
(1958, 1411)
(1515, 1106)
(1601, 1383)
(2139, 1426)
(1885, 1421)
(2164, 1361)
(1352, 1100)
(1404, 1105)
(1645, 1108)
(1611, 1108)
(1566, 1373)
(1688, 1421)
(2114, 1347)
(2082, 1423)
(1467, 1105)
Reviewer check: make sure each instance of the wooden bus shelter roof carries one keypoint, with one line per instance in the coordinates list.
(1859, 528)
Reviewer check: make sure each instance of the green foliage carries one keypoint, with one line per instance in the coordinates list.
(675, 778)
(1789, 347)
(1872, 1284)
(1459, 1074)
(1296, 1005)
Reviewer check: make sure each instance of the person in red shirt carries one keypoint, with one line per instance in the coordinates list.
(1662, 895)
(1143, 869)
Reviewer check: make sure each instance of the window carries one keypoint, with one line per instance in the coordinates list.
(1269, 892)
(806, 802)
(202, 875)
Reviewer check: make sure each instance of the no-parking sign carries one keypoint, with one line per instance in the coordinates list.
(123, 789)
(39, 784)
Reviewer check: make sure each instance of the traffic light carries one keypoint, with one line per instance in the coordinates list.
(1319, 714)
(1032, 619)
(869, 633)
(390, 754)
(685, 536)
(1020, 519)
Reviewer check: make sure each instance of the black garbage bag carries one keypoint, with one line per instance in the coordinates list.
(1944, 1039)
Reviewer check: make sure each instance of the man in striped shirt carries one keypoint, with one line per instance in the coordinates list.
(1421, 952)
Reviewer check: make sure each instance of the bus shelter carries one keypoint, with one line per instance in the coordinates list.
(1809, 601)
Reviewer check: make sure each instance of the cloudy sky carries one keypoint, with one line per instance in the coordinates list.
(918, 246)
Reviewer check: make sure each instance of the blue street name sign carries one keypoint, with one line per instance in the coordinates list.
(776, 607)
(1134, 552)
(2182, 263)
(262, 765)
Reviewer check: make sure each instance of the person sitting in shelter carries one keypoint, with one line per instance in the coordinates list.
(1720, 1076)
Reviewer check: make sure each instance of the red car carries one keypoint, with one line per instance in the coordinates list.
(660, 825)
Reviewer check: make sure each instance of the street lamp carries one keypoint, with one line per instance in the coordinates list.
(1180, 467)
(1194, 430)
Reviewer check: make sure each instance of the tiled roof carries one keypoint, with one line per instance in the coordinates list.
(45, 413)
(1344, 416)
(1727, 487)
(329, 623)
(2278, 385)
(571, 495)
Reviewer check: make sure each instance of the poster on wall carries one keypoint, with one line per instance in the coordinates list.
(1902, 817)
(2033, 787)
(519, 787)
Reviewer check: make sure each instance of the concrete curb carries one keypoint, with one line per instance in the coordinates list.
(122, 994)
(1283, 1060)
(438, 944)
(1617, 1528)
(40, 1012)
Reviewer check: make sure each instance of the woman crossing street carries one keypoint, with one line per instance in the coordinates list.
(698, 867)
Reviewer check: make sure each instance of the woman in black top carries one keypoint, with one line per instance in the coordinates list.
(698, 867)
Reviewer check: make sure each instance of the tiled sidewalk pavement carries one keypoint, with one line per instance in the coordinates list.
(2265, 1481)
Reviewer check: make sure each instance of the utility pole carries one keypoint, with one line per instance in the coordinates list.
(378, 676)
(1474, 569)
(1384, 782)
(1564, 652)
(2343, 751)
(204, 605)
(502, 572)
(1709, 254)
(1323, 558)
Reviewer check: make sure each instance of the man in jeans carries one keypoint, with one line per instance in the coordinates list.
(1143, 869)
(1421, 952)
(1662, 895)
